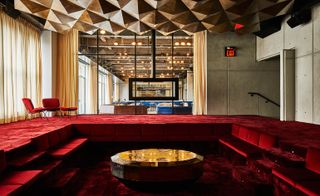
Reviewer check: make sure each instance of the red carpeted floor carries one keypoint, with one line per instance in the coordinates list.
(16, 134)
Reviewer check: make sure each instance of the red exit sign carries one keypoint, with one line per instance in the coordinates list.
(230, 51)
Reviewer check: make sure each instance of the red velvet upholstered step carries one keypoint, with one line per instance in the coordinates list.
(21, 177)
(294, 175)
(10, 189)
(68, 148)
(49, 166)
(245, 149)
(64, 178)
(23, 160)
(61, 153)
(311, 188)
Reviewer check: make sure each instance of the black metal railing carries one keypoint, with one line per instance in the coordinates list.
(267, 100)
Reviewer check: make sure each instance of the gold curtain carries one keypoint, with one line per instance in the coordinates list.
(67, 68)
(200, 73)
(20, 67)
(91, 106)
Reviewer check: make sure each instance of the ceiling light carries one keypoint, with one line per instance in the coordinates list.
(118, 61)
(142, 62)
(122, 71)
(115, 43)
(102, 32)
(133, 43)
(182, 67)
(177, 43)
(183, 43)
(188, 54)
(125, 53)
(139, 43)
(182, 61)
(131, 71)
(167, 74)
(188, 44)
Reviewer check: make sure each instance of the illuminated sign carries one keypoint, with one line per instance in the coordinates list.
(230, 51)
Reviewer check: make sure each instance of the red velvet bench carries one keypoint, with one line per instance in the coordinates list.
(306, 180)
(59, 143)
(13, 182)
(247, 142)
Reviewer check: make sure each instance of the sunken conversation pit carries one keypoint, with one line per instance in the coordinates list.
(70, 155)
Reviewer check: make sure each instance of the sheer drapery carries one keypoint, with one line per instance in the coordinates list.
(20, 67)
(200, 73)
(92, 93)
(67, 68)
(109, 89)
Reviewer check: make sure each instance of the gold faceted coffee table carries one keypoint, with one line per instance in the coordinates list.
(157, 166)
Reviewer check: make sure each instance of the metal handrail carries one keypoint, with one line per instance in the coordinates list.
(264, 97)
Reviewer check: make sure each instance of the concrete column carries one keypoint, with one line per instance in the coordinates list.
(189, 86)
(287, 85)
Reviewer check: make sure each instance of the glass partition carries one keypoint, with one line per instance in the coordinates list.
(108, 62)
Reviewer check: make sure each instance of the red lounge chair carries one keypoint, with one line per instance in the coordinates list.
(31, 109)
(51, 105)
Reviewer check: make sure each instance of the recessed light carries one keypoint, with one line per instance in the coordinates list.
(139, 43)
(133, 43)
(102, 32)
(115, 43)
(183, 43)
(177, 43)
(188, 43)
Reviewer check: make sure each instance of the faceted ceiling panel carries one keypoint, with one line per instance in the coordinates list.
(166, 16)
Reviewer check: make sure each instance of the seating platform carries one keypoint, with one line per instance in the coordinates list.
(262, 142)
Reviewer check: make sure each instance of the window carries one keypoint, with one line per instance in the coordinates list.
(83, 89)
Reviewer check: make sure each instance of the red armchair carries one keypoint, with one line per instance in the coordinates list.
(53, 105)
(31, 109)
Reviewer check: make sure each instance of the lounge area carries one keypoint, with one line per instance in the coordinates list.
(159, 97)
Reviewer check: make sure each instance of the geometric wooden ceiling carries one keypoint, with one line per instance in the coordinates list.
(166, 16)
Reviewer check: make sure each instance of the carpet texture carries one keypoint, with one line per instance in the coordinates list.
(17, 134)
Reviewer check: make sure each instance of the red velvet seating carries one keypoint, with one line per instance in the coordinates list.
(153, 132)
(51, 104)
(12, 183)
(306, 180)
(59, 143)
(247, 142)
(30, 108)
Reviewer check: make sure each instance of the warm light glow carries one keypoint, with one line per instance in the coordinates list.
(102, 32)
(116, 43)
(177, 44)
(133, 43)
(188, 43)
(182, 43)
(139, 43)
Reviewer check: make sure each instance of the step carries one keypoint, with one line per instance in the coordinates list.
(49, 167)
(63, 182)
(251, 180)
(25, 160)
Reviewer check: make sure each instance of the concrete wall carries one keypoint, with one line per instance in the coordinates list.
(230, 79)
(305, 39)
